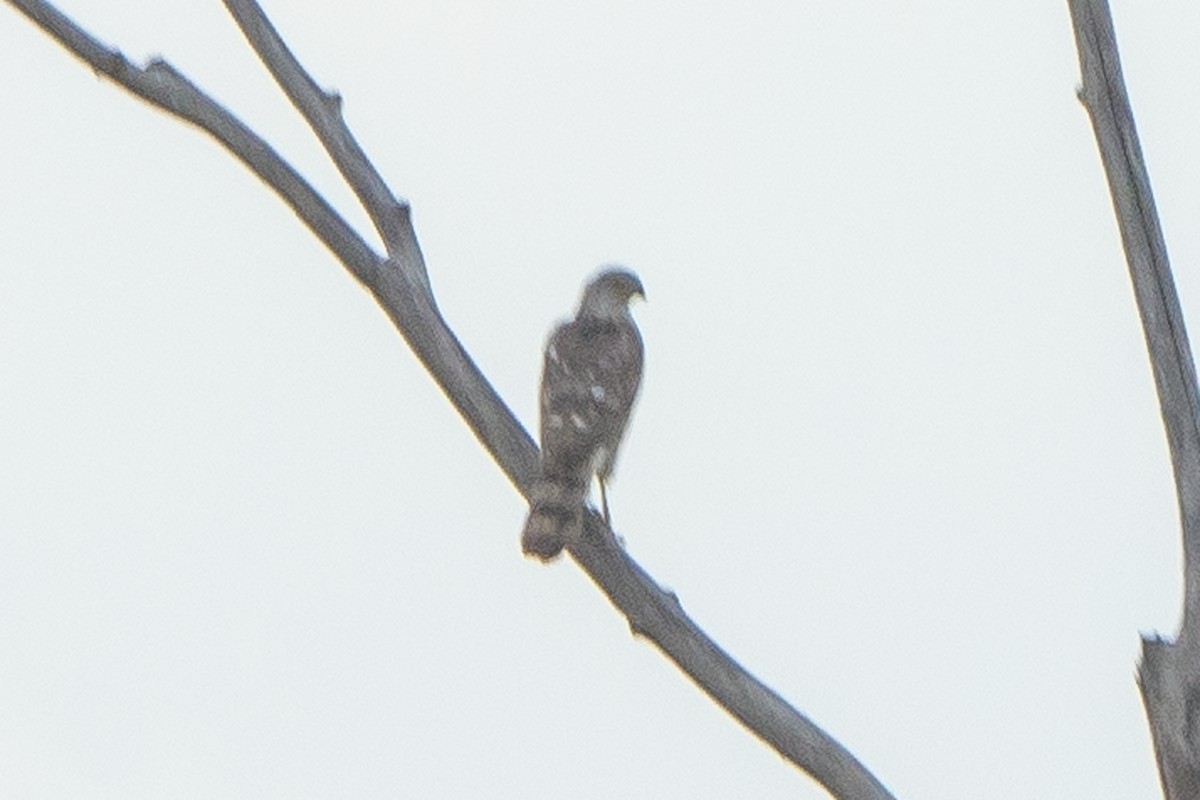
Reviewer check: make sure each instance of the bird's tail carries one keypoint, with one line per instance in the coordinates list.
(555, 518)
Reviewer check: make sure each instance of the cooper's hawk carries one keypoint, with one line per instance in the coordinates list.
(590, 377)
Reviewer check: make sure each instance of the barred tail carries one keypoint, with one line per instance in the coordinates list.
(555, 518)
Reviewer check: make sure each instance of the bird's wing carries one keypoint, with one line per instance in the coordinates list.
(590, 380)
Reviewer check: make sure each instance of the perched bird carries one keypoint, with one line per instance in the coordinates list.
(590, 376)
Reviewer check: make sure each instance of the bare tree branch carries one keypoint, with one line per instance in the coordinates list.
(400, 285)
(402, 292)
(159, 84)
(1170, 671)
(323, 111)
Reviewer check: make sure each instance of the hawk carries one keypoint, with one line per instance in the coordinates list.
(590, 376)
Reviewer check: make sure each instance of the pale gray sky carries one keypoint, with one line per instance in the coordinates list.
(897, 449)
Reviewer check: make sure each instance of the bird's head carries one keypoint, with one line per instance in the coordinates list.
(607, 295)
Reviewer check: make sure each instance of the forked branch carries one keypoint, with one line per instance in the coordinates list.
(400, 284)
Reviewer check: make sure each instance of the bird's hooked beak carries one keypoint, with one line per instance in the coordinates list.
(638, 291)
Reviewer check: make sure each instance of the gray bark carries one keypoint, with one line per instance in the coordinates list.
(1169, 675)
(400, 284)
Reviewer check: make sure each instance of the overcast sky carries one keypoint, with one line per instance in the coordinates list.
(897, 448)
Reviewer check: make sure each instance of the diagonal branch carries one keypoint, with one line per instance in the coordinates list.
(402, 292)
(159, 84)
(1170, 671)
(323, 111)
(407, 297)
(401, 287)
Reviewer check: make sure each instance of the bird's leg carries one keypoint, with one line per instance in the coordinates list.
(604, 503)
